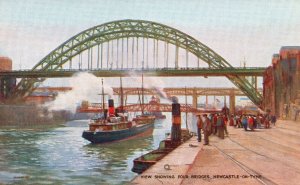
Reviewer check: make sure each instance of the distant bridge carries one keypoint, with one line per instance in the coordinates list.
(96, 108)
(167, 92)
(181, 91)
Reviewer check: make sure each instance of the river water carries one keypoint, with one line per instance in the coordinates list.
(61, 156)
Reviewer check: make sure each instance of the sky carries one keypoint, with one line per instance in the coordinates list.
(238, 30)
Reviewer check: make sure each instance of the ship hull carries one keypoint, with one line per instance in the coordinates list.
(116, 135)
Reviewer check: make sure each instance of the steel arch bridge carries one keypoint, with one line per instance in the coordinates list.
(130, 29)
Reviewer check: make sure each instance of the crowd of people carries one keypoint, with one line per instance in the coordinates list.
(216, 124)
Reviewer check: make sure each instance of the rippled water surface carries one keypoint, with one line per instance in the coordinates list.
(61, 156)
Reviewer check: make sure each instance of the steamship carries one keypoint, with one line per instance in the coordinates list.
(113, 125)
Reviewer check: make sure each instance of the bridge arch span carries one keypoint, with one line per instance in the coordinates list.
(133, 28)
(126, 29)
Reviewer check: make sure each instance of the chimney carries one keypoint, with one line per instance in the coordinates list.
(111, 108)
(176, 122)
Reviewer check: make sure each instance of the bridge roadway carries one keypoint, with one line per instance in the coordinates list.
(248, 71)
(96, 108)
(169, 91)
(180, 91)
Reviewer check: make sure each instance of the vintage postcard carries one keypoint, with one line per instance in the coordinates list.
(149, 92)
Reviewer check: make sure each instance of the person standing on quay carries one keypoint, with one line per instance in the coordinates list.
(258, 121)
(251, 123)
(267, 120)
(220, 126)
(199, 127)
(214, 120)
(225, 118)
(273, 119)
(245, 122)
(206, 129)
(231, 120)
(238, 121)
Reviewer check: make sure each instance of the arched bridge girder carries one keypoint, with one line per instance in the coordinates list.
(53, 63)
(134, 28)
(126, 29)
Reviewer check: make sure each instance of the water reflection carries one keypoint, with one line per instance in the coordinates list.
(115, 159)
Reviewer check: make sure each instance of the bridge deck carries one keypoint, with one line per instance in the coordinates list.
(249, 71)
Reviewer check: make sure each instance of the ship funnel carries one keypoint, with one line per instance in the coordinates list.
(176, 122)
(111, 107)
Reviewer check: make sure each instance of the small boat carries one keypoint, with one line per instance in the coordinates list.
(114, 125)
(145, 161)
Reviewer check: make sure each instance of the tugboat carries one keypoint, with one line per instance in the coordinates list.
(158, 114)
(114, 126)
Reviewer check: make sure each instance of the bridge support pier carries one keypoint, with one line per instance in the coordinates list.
(6, 87)
(255, 81)
(232, 102)
(195, 98)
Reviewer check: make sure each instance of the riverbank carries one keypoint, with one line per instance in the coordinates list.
(24, 115)
(269, 156)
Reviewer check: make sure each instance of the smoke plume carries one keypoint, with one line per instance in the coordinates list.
(85, 86)
(152, 83)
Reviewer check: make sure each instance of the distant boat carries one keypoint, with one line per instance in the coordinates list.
(158, 114)
(113, 125)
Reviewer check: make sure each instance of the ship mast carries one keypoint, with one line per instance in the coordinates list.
(103, 105)
(142, 93)
(121, 95)
(186, 115)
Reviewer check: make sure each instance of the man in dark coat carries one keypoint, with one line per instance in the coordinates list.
(206, 129)
(199, 127)
(220, 126)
